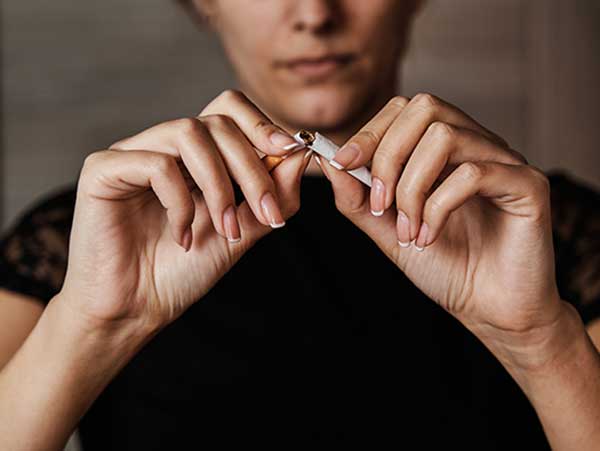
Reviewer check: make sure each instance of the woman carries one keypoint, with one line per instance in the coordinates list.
(302, 324)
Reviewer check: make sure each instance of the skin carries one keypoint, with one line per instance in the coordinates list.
(478, 217)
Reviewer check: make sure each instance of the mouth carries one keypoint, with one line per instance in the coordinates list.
(319, 66)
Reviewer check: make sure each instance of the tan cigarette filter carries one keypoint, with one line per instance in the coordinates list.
(271, 162)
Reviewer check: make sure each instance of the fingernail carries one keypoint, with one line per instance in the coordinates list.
(271, 211)
(292, 146)
(377, 196)
(187, 239)
(306, 163)
(231, 225)
(281, 139)
(346, 155)
(403, 229)
(422, 238)
(336, 165)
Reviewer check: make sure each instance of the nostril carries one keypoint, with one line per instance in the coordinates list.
(316, 16)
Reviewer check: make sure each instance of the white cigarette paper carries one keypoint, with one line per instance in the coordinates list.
(327, 149)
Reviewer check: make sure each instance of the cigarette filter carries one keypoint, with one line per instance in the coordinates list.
(327, 149)
(322, 146)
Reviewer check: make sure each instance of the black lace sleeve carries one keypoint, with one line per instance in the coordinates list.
(34, 248)
(576, 232)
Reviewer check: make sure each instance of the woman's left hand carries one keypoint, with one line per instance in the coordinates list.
(480, 212)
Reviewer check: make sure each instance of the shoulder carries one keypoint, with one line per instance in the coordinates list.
(34, 247)
(575, 206)
(52, 208)
(574, 202)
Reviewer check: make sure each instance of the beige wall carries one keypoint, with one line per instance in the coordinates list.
(79, 75)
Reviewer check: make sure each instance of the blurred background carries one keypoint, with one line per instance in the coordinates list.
(77, 76)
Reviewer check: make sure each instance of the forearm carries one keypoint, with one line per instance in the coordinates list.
(60, 369)
(560, 374)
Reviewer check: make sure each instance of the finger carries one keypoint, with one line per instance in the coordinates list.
(189, 140)
(287, 177)
(116, 175)
(520, 190)
(394, 136)
(360, 148)
(391, 152)
(260, 131)
(405, 133)
(246, 168)
(352, 200)
(442, 146)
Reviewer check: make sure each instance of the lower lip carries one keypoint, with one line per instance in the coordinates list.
(317, 69)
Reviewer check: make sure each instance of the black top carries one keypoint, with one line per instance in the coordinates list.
(313, 356)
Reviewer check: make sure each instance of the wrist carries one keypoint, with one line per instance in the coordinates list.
(558, 368)
(110, 344)
(113, 331)
(538, 349)
(62, 366)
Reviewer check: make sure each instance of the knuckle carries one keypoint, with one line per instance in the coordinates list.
(426, 101)
(162, 163)
(221, 121)
(117, 144)
(187, 126)
(471, 171)
(498, 139)
(92, 158)
(402, 193)
(263, 126)
(541, 181)
(407, 199)
(350, 207)
(399, 102)
(231, 95)
(517, 157)
(442, 132)
(433, 206)
(369, 137)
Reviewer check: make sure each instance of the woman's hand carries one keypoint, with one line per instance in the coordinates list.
(481, 213)
(144, 201)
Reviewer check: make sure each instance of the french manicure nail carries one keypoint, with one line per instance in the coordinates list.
(403, 229)
(377, 196)
(346, 155)
(280, 139)
(336, 165)
(231, 225)
(422, 238)
(271, 211)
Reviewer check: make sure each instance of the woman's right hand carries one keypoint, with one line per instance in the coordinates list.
(138, 201)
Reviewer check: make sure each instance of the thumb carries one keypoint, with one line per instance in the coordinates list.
(352, 200)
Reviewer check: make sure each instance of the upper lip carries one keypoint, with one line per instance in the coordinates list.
(341, 57)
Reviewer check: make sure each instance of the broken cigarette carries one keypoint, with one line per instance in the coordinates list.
(322, 146)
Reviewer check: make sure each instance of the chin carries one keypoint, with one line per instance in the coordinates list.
(322, 109)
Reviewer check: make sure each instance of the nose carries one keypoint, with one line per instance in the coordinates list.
(316, 16)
